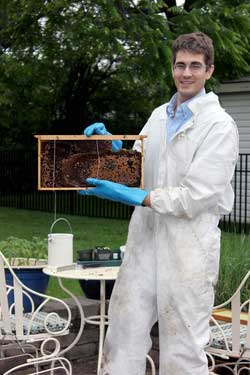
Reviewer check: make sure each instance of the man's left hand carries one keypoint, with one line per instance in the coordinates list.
(115, 192)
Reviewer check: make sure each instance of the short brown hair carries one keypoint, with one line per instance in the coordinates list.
(196, 43)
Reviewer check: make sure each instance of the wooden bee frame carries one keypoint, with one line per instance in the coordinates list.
(58, 153)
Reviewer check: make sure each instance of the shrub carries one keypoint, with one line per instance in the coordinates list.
(21, 251)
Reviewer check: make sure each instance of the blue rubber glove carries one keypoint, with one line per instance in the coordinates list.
(115, 192)
(99, 128)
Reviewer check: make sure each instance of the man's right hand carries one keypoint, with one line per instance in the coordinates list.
(99, 128)
(96, 128)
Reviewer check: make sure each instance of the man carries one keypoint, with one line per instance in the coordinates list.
(172, 251)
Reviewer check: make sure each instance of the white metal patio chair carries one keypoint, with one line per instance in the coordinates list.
(230, 338)
(35, 333)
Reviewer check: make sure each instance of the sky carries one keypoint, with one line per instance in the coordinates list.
(180, 2)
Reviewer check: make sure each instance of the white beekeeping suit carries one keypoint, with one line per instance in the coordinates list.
(172, 251)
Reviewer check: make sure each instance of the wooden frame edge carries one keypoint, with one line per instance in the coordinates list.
(92, 138)
(84, 137)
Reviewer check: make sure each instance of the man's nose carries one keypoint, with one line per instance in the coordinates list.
(187, 70)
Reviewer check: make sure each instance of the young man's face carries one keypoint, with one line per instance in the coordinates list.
(190, 74)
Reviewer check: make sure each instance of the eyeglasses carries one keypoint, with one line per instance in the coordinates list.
(194, 67)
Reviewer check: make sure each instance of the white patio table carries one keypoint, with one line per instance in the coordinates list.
(77, 272)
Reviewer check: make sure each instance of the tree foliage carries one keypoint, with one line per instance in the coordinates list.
(65, 63)
(227, 23)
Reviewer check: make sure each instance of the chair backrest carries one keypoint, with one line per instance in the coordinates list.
(10, 325)
(4, 306)
(239, 308)
(14, 320)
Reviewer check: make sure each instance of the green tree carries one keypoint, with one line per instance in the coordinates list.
(65, 63)
(61, 59)
(226, 22)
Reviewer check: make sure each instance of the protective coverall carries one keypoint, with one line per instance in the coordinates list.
(172, 251)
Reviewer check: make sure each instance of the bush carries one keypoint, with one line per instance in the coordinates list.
(23, 249)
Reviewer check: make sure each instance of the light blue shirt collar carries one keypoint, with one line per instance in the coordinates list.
(183, 107)
(176, 119)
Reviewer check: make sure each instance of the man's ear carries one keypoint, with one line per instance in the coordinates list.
(210, 71)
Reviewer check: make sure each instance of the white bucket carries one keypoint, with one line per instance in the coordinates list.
(60, 247)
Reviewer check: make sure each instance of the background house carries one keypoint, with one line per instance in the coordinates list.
(235, 98)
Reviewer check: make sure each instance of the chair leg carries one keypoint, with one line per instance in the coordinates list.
(241, 366)
(152, 364)
(212, 366)
(52, 368)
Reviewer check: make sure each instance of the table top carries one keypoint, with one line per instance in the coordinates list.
(78, 273)
(225, 315)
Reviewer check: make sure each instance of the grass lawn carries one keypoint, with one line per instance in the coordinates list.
(90, 232)
(234, 264)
